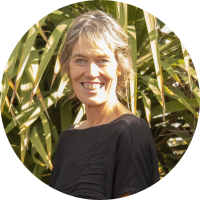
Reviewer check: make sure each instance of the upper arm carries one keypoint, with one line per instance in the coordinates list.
(136, 166)
(125, 195)
(124, 170)
(144, 155)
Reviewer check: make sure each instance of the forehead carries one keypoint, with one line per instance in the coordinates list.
(85, 44)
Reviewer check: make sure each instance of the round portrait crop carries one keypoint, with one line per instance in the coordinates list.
(99, 101)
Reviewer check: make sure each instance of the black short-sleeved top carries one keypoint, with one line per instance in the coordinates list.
(106, 161)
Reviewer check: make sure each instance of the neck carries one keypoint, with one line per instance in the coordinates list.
(104, 113)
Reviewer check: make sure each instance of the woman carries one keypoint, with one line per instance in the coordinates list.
(112, 153)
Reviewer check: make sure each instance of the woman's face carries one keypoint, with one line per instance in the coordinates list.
(93, 71)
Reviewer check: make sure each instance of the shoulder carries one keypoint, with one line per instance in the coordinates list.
(138, 139)
(139, 125)
(141, 137)
(139, 131)
(68, 131)
(131, 126)
(135, 122)
(66, 134)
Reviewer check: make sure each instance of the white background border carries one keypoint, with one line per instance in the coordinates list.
(181, 16)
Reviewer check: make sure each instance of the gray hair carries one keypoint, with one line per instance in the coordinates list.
(97, 25)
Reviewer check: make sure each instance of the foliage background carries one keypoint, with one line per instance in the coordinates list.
(45, 172)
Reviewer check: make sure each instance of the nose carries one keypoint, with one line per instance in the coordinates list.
(92, 70)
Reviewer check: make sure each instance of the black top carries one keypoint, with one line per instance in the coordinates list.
(106, 161)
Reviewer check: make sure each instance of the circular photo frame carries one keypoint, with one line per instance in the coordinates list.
(163, 89)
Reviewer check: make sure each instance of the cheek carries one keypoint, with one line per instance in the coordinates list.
(110, 73)
(74, 73)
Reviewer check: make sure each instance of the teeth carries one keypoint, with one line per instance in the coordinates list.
(92, 86)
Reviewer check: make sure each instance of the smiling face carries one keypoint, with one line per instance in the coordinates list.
(93, 71)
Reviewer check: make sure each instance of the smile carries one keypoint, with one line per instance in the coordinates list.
(92, 86)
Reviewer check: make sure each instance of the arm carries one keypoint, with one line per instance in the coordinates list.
(125, 195)
(136, 166)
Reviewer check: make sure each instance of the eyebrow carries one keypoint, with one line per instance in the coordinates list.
(83, 56)
(78, 55)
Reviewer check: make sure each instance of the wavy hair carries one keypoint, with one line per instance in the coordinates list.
(98, 26)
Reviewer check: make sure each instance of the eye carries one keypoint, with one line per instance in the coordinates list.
(80, 61)
(103, 61)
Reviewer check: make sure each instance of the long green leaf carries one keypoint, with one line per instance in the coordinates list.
(147, 107)
(194, 88)
(150, 21)
(148, 56)
(31, 71)
(122, 15)
(25, 91)
(9, 68)
(170, 70)
(58, 15)
(41, 31)
(173, 106)
(187, 63)
(47, 132)
(133, 80)
(33, 112)
(180, 63)
(35, 140)
(183, 99)
(56, 70)
(190, 120)
(64, 81)
(174, 93)
(152, 84)
(48, 52)
(25, 54)
(54, 133)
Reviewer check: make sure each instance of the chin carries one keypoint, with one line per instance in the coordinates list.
(92, 102)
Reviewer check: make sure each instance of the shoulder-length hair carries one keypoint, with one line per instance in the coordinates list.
(98, 26)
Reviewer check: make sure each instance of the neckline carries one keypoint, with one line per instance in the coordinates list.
(72, 128)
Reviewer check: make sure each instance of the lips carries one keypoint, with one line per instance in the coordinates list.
(92, 86)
